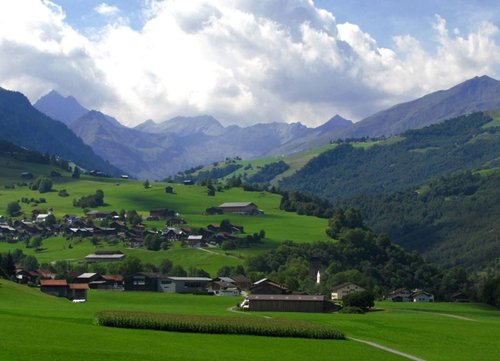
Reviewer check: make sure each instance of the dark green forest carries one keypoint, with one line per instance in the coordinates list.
(268, 172)
(420, 155)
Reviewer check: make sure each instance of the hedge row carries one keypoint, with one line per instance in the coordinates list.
(217, 325)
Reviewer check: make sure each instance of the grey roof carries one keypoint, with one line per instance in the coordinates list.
(345, 284)
(235, 204)
(87, 275)
(105, 256)
(305, 298)
(190, 279)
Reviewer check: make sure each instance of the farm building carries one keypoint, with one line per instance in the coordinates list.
(77, 291)
(344, 289)
(405, 295)
(162, 213)
(144, 281)
(460, 297)
(100, 214)
(247, 208)
(186, 284)
(400, 295)
(267, 287)
(289, 303)
(60, 288)
(105, 256)
(422, 296)
(157, 282)
(195, 241)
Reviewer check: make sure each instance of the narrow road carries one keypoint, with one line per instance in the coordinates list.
(391, 350)
(216, 253)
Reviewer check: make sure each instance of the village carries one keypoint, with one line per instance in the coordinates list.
(261, 295)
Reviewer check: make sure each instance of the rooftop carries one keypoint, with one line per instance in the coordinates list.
(236, 204)
(305, 298)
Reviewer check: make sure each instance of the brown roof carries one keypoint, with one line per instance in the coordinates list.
(117, 278)
(342, 285)
(54, 283)
(78, 286)
(308, 298)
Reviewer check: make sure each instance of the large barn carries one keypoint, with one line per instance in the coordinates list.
(247, 208)
(290, 303)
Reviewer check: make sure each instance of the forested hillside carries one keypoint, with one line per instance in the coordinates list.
(416, 157)
(25, 126)
(451, 220)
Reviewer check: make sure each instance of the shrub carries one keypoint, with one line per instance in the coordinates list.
(217, 325)
(363, 299)
(352, 309)
(13, 209)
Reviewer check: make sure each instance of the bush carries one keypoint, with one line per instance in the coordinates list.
(351, 309)
(363, 299)
(42, 184)
(13, 209)
(63, 193)
(217, 325)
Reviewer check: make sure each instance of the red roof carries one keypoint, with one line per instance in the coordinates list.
(78, 286)
(54, 283)
(117, 278)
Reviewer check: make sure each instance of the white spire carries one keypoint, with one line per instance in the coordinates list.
(318, 278)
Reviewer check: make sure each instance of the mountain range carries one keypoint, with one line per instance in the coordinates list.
(23, 125)
(156, 150)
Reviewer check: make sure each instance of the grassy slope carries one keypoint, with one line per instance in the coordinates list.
(55, 329)
(189, 201)
(295, 161)
(34, 325)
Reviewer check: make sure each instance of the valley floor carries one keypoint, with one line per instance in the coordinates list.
(37, 326)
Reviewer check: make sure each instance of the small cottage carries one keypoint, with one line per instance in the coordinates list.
(344, 289)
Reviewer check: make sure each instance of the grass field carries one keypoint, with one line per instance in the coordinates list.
(189, 201)
(37, 326)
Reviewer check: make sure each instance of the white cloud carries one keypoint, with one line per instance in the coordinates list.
(107, 10)
(241, 61)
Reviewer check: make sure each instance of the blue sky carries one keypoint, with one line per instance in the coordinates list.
(245, 61)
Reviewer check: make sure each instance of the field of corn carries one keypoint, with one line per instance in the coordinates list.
(217, 325)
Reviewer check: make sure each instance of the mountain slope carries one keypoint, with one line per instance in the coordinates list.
(316, 137)
(137, 153)
(476, 94)
(64, 109)
(451, 220)
(23, 125)
(415, 157)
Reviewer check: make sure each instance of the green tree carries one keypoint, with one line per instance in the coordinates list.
(76, 173)
(13, 209)
(146, 184)
(45, 185)
(30, 263)
(177, 271)
(363, 299)
(169, 189)
(165, 266)
(130, 266)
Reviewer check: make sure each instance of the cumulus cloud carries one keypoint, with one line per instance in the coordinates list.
(107, 10)
(242, 61)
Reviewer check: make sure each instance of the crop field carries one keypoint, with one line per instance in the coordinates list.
(37, 326)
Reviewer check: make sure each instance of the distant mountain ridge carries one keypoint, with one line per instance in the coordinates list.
(156, 150)
(476, 94)
(186, 142)
(64, 109)
(23, 125)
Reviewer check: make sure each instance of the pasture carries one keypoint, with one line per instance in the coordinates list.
(37, 326)
(189, 201)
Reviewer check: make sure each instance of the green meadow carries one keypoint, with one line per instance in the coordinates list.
(190, 201)
(38, 326)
